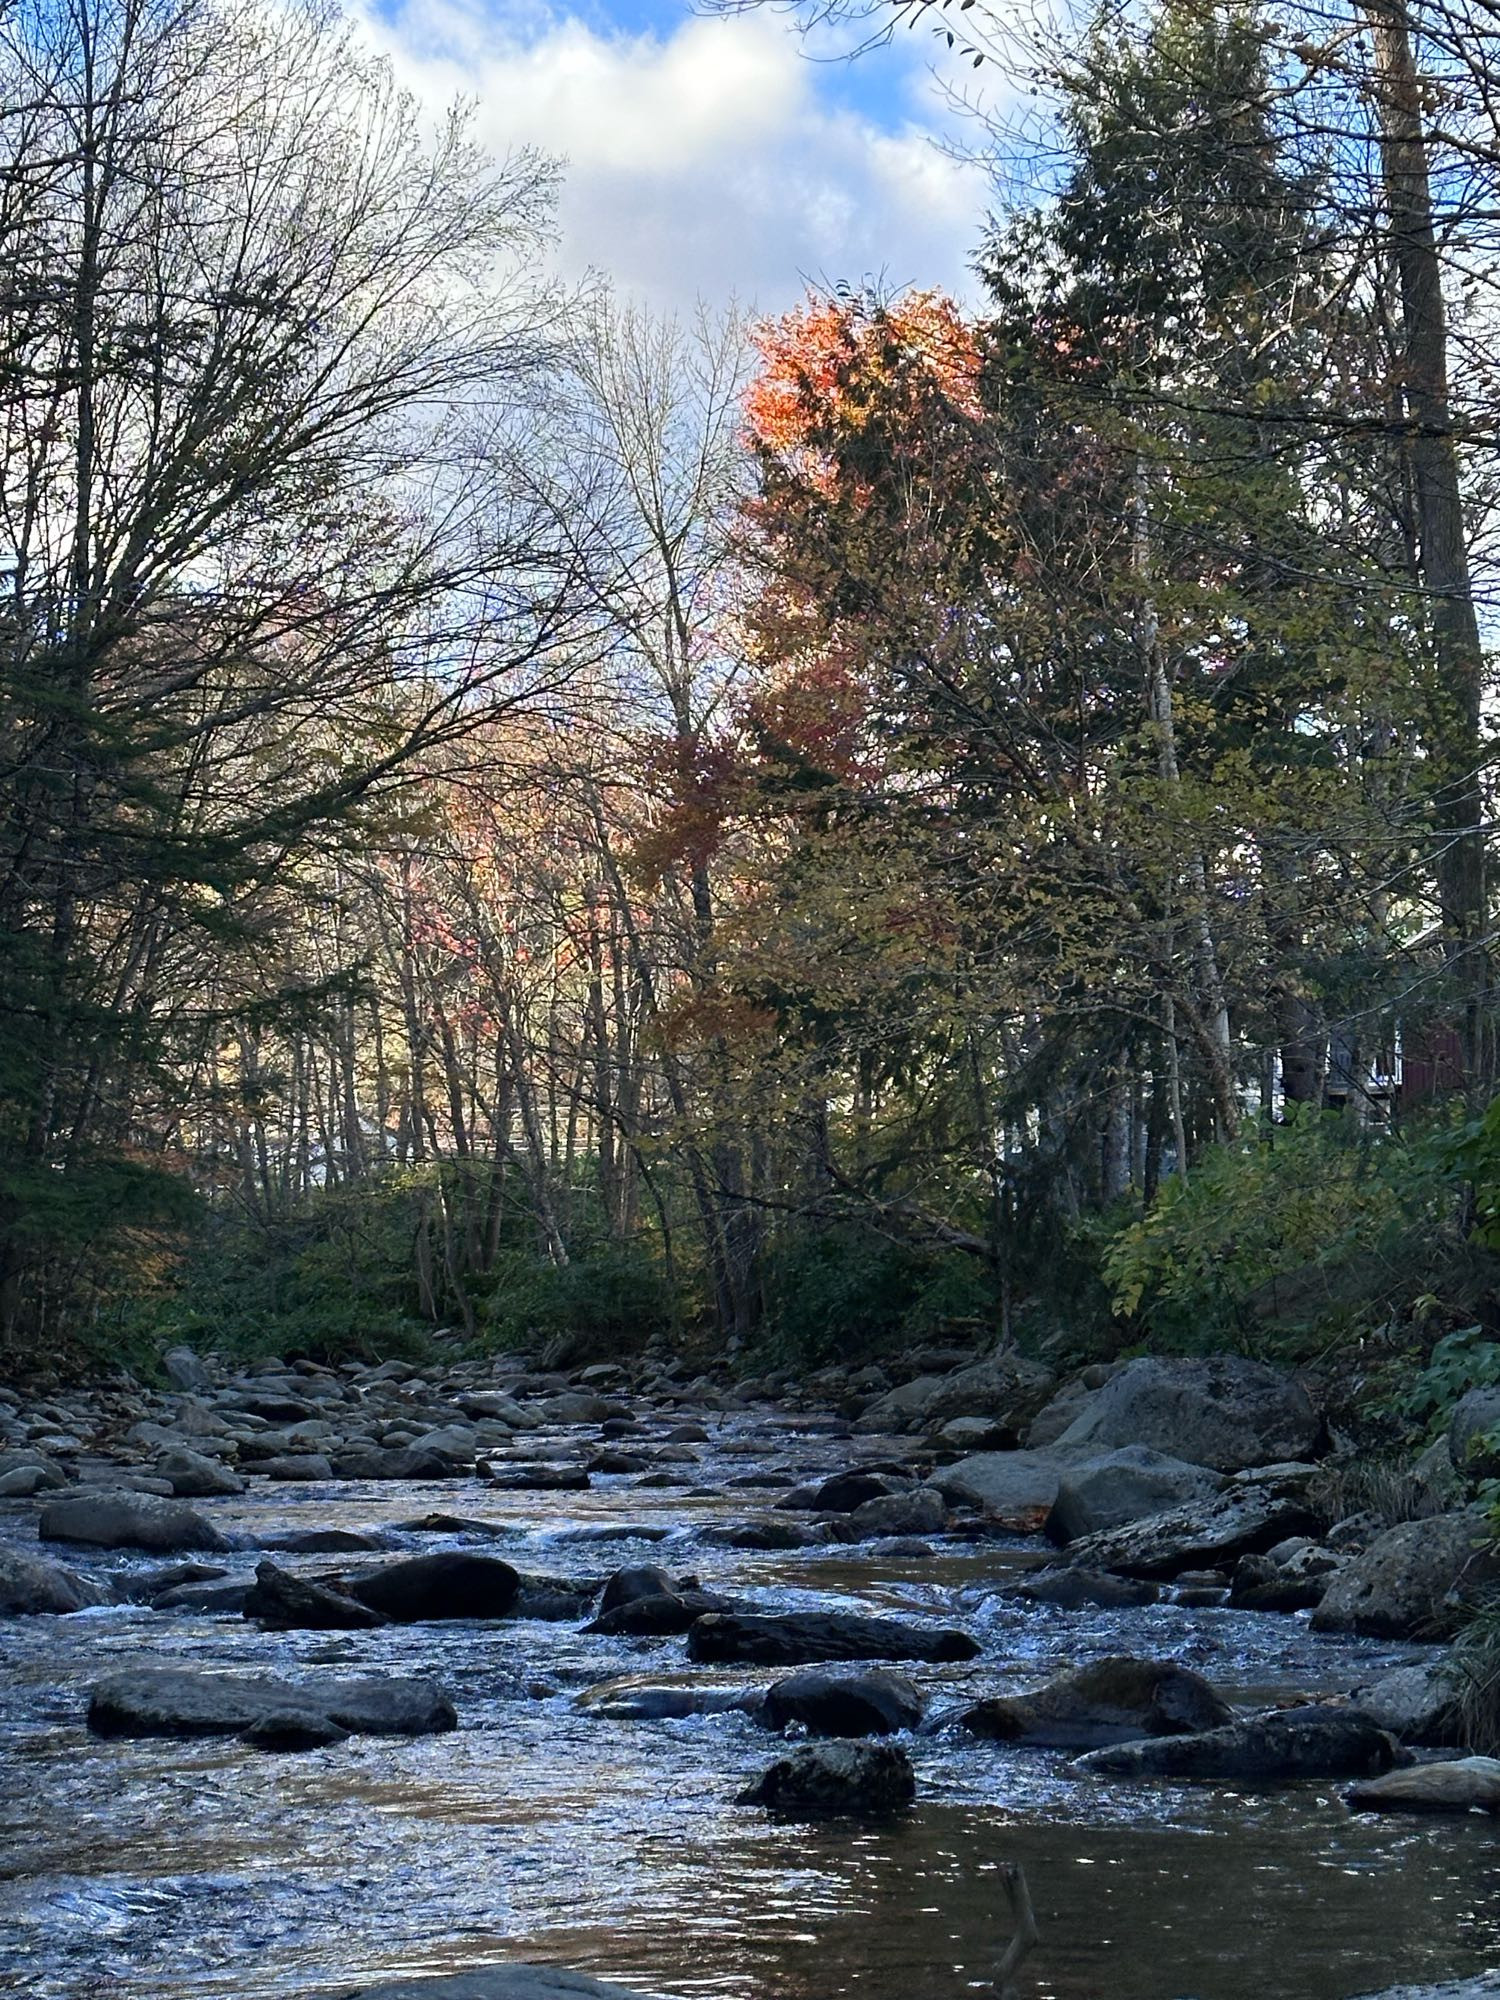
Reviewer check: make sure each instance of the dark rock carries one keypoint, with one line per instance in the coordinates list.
(1248, 1517)
(872, 1703)
(172, 1702)
(1467, 1784)
(193, 1475)
(226, 1599)
(1291, 1577)
(1413, 1582)
(326, 1542)
(293, 1729)
(1124, 1485)
(640, 1580)
(537, 1478)
(1219, 1410)
(1476, 1419)
(1110, 1701)
(1319, 1741)
(610, 1461)
(768, 1533)
(286, 1603)
(1001, 1389)
(392, 1462)
(30, 1587)
(844, 1492)
(454, 1584)
(1018, 1486)
(183, 1369)
(555, 1598)
(866, 1780)
(1083, 1589)
(122, 1520)
(921, 1513)
(804, 1638)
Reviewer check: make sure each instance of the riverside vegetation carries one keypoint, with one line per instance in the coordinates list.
(850, 956)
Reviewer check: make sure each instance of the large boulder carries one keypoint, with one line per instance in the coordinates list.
(866, 1780)
(1016, 1486)
(193, 1475)
(798, 1638)
(1001, 1389)
(283, 1602)
(1124, 1485)
(1474, 1423)
(843, 1492)
(1220, 1410)
(1418, 1704)
(1292, 1576)
(1467, 1784)
(1414, 1581)
(451, 1585)
(1250, 1515)
(873, 1703)
(29, 1586)
(1319, 1741)
(1111, 1701)
(666, 1614)
(493, 1982)
(183, 1369)
(173, 1702)
(107, 1519)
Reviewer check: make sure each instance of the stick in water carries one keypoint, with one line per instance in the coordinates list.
(1013, 1875)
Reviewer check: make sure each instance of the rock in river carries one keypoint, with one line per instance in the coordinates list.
(1124, 1485)
(121, 1520)
(1319, 1741)
(29, 1586)
(286, 1603)
(173, 1702)
(865, 1779)
(1251, 1514)
(452, 1585)
(873, 1703)
(794, 1638)
(1110, 1701)
(1467, 1784)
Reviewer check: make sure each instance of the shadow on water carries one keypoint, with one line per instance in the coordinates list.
(202, 1871)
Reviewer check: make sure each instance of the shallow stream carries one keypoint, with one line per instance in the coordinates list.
(203, 1870)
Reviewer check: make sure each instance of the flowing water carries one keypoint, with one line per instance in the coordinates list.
(203, 1870)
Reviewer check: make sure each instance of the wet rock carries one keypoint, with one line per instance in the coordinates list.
(1293, 1576)
(866, 1780)
(291, 1729)
(1475, 1420)
(971, 1434)
(454, 1584)
(1054, 1417)
(183, 1369)
(1466, 1784)
(611, 1461)
(845, 1491)
(555, 1598)
(1009, 1484)
(666, 1614)
(227, 1599)
(123, 1520)
(998, 1389)
(24, 1482)
(1125, 1485)
(686, 1434)
(630, 1698)
(803, 1638)
(175, 1702)
(1219, 1410)
(768, 1533)
(498, 1408)
(872, 1703)
(921, 1513)
(302, 1465)
(329, 1542)
(1319, 1741)
(391, 1462)
(1110, 1701)
(286, 1603)
(638, 1580)
(577, 1406)
(1249, 1516)
(193, 1475)
(1418, 1704)
(1085, 1589)
(536, 1478)
(30, 1587)
(1414, 1581)
(494, 1982)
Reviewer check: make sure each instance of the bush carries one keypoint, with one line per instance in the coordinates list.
(842, 1294)
(615, 1294)
(1295, 1231)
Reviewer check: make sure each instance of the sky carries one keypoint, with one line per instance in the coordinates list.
(707, 158)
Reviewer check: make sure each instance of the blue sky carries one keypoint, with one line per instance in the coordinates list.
(707, 157)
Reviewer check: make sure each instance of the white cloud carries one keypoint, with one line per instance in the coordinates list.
(707, 161)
